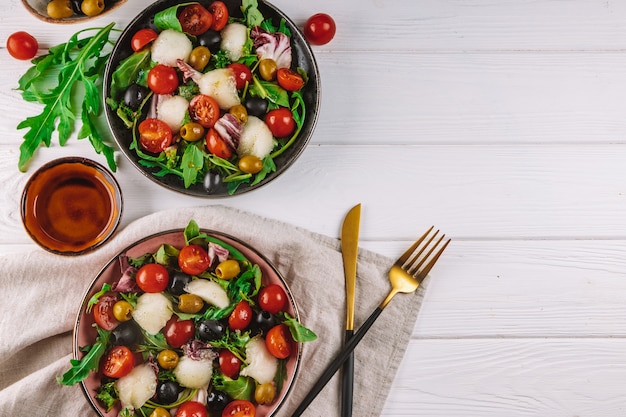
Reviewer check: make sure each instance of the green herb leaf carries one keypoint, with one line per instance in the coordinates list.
(241, 388)
(192, 231)
(106, 287)
(79, 62)
(128, 72)
(168, 19)
(80, 369)
(192, 163)
(298, 331)
(270, 91)
(107, 395)
(251, 12)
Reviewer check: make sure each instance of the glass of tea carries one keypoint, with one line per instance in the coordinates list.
(71, 206)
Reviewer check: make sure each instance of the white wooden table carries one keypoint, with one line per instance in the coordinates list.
(504, 124)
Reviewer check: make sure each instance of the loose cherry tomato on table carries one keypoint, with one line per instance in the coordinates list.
(103, 311)
(289, 79)
(229, 364)
(279, 341)
(191, 409)
(195, 19)
(118, 362)
(142, 38)
(216, 145)
(241, 316)
(22, 45)
(152, 278)
(162, 79)
(319, 29)
(193, 259)
(219, 11)
(272, 298)
(239, 408)
(243, 74)
(280, 122)
(178, 332)
(154, 135)
(204, 109)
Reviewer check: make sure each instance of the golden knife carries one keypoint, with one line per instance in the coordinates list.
(349, 251)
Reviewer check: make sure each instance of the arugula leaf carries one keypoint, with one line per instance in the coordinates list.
(78, 62)
(270, 91)
(107, 395)
(241, 388)
(106, 287)
(192, 163)
(298, 331)
(167, 19)
(128, 71)
(80, 368)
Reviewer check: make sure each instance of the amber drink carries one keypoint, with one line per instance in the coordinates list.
(71, 206)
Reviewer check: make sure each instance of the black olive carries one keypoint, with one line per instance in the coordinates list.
(256, 106)
(217, 400)
(178, 283)
(76, 7)
(126, 333)
(167, 392)
(211, 39)
(264, 321)
(212, 182)
(135, 95)
(209, 330)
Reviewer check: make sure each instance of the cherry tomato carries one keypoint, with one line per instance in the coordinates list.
(178, 332)
(272, 298)
(242, 73)
(142, 38)
(193, 259)
(229, 364)
(219, 11)
(289, 79)
(319, 29)
(279, 341)
(239, 408)
(195, 19)
(280, 121)
(191, 409)
(118, 362)
(162, 79)
(103, 311)
(152, 278)
(241, 316)
(154, 135)
(216, 145)
(22, 45)
(204, 109)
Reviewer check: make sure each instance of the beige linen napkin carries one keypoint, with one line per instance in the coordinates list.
(40, 294)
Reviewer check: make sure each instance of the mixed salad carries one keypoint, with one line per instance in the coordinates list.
(209, 97)
(189, 331)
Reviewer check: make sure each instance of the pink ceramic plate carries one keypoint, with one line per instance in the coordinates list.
(85, 333)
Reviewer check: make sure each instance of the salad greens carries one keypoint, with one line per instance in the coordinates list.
(78, 65)
(190, 161)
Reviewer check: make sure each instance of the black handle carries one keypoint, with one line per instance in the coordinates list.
(337, 362)
(347, 375)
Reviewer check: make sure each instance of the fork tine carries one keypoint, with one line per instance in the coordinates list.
(421, 274)
(407, 254)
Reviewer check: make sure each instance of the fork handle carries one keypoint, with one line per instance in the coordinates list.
(341, 357)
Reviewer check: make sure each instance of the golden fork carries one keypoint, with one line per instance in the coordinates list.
(405, 276)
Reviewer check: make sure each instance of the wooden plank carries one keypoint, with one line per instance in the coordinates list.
(513, 378)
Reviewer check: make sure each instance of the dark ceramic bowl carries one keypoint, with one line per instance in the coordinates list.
(38, 8)
(85, 333)
(302, 57)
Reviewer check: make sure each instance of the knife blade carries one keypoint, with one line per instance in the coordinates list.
(349, 252)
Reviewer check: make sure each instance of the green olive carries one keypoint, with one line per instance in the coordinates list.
(268, 69)
(192, 131)
(122, 310)
(160, 412)
(228, 269)
(199, 57)
(190, 303)
(240, 113)
(250, 164)
(167, 359)
(264, 394)
(60, 9)
(92, 7)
